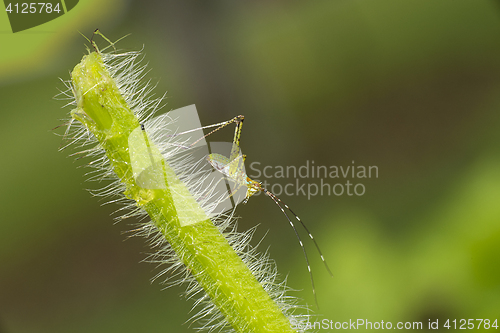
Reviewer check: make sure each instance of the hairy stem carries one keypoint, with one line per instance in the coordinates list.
(201, 247)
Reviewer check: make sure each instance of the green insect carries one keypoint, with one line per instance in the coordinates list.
(233, 169)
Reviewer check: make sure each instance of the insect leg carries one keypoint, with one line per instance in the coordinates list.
(218, 127)
(237, 119)
(94, 45)
(235, 149)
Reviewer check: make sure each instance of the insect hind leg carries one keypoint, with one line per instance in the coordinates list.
(190, 145)
(238, 120)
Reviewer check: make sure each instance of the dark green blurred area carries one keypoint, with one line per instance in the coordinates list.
(409, 86)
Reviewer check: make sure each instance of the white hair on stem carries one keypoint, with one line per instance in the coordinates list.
(129, 73)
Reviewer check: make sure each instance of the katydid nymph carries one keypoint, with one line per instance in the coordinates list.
(233, 170)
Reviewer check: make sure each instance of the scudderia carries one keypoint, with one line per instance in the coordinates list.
(232, 168)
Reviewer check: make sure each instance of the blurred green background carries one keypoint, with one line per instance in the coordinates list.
(409, 86)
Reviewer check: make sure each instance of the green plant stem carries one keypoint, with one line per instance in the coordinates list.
(202, 248)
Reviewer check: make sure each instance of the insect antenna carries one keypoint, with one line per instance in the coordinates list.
(308, 232)
(277, 202)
